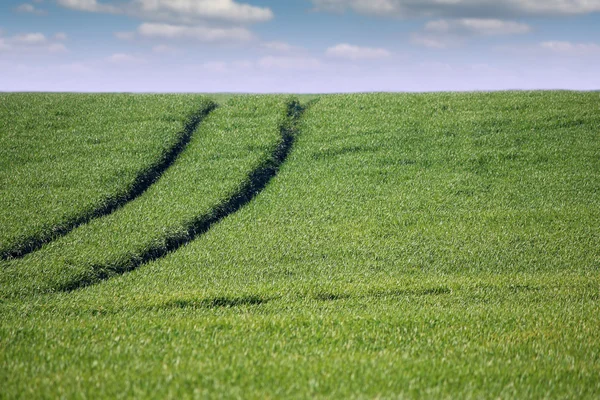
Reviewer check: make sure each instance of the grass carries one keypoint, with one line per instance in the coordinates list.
(410, 246)
(232, 143)
(66, 159)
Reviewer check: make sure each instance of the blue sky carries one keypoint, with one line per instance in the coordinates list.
(303, 46)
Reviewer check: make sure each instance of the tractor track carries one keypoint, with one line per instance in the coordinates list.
(139, 186)
(254, 183)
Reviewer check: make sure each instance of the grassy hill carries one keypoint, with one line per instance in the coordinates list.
(399, 246)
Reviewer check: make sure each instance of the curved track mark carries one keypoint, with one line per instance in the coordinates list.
(141, 183)
(256, 181)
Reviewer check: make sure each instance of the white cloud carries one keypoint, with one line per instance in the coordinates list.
(445, 33)
(30, 39)
(180, 11)
(434, 41)
(89, 5)
(60, 36)
(29, 8)
(199, 33)
(280, 47)
(25, 8)
(569, 48)
(460, 8)
(227, 10)
(31, 42)
(350, 52)
(477, 26)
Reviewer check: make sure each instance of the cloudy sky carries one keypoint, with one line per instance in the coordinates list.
(298, 45)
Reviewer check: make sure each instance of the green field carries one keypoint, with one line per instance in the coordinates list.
(66, 159)
(436, 245)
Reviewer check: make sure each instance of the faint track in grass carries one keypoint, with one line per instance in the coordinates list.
(141, 184)
(254, 183)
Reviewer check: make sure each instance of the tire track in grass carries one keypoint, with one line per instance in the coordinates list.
(140, 185)
(255, 182)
